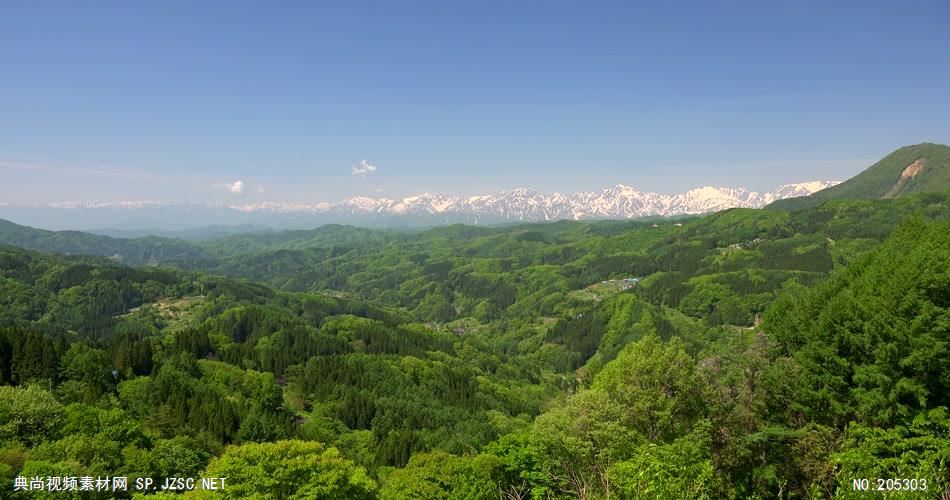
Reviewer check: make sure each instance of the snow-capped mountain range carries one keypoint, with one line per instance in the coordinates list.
(618, 202)
(522, 204)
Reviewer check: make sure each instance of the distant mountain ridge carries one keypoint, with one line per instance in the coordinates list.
(921, 168)
(525, 204)
(522, 204)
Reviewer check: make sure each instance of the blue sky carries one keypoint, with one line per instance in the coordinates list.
(117, 100)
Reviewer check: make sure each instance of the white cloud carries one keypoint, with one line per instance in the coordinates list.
(260, 189)
(236, 187)
(363, 169)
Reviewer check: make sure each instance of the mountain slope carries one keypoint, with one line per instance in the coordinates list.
(910, 169)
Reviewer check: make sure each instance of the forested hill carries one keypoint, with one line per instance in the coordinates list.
(152, 250)
(723, 268)
(922, 168)
(139, 251)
